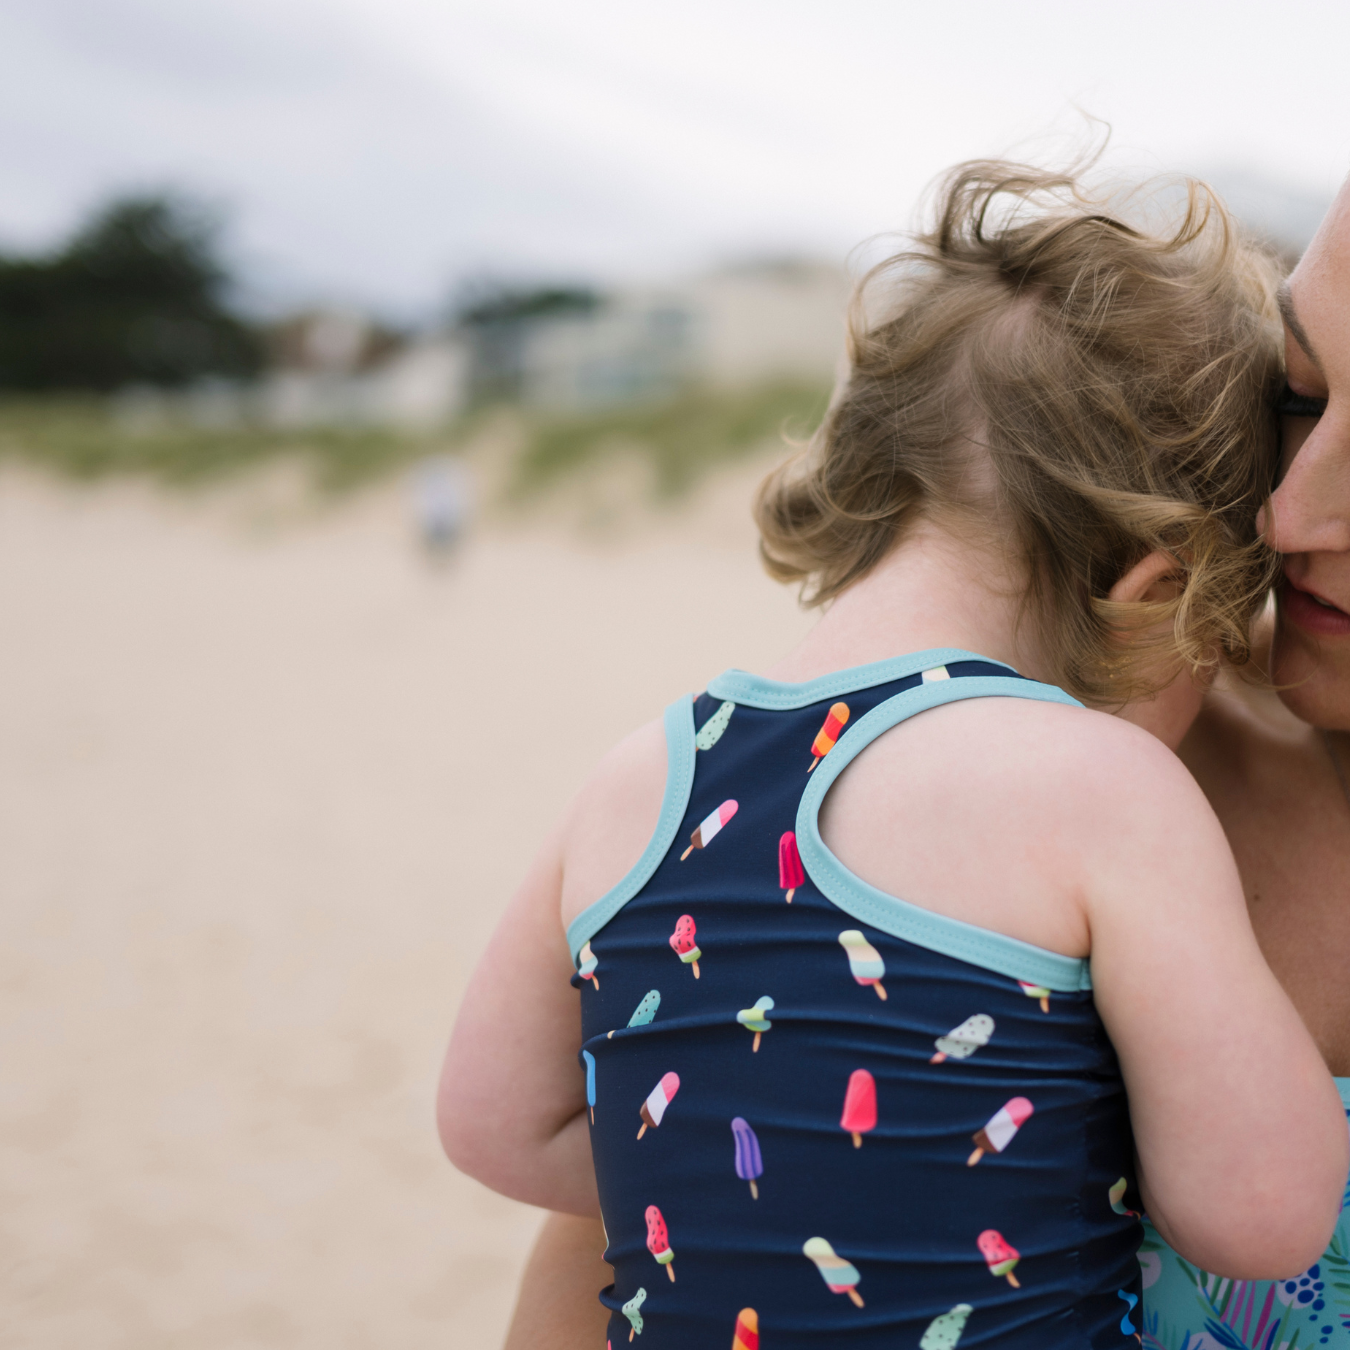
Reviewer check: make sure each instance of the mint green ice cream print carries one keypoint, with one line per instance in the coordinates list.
(632, 1310)
(711, 731)
(944, 1332)
(753, 1019)
(645, 1011)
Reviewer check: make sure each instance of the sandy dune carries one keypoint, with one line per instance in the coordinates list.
(266, 779)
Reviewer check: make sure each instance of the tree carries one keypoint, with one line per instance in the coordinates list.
(136, 296)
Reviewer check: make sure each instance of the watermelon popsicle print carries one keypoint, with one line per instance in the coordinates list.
(829, 733)
(658, 1241)
(749, 1165)
(1001, 1128)
(791, 873)
(999, 1255)
(711, 826)
(682, 942)
(860, 1105)
(653, 1110)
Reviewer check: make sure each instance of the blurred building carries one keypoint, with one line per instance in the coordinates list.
(735, 327)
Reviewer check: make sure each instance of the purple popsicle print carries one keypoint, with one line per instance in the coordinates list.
(749, 1164)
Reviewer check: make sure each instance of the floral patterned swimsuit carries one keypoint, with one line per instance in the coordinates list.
(1186, 1308)
(820, 1114)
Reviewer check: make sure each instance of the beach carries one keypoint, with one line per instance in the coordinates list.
(268, 775)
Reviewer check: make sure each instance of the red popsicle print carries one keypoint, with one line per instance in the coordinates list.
(791, 873)
(860, 1105)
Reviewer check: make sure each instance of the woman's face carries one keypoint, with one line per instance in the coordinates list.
(1310, 512)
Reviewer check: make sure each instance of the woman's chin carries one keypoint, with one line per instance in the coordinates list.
(1312, 673)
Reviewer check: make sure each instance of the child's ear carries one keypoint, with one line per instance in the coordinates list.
(1155, 578)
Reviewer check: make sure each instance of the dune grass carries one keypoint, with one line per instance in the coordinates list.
(84, 437)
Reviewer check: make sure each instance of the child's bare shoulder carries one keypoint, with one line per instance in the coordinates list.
(1074, 764)
(612, 817)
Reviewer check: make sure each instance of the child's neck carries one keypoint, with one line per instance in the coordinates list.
(936, 588)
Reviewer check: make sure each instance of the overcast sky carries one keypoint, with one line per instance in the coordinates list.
(381, 151)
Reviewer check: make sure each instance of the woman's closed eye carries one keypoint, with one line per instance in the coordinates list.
(1290, 404)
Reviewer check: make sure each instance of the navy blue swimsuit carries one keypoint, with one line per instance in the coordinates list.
(822, 1115)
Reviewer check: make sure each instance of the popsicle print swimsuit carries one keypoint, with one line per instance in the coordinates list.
(822, 1115)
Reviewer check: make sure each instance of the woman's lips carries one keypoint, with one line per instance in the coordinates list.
(1308, 613)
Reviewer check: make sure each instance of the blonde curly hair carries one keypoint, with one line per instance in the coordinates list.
(1114, 385)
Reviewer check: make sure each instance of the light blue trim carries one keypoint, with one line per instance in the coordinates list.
(757, 692)
(1343, 1087)
(952, 937)
(679, 723)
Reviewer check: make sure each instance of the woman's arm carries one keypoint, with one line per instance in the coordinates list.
(558, 1307)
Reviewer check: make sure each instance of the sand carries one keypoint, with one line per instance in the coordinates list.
(267, 777)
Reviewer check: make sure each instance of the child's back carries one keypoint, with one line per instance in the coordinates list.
(789, 1067)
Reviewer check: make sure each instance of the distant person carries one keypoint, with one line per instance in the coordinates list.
(442, 502)
(862, 1120)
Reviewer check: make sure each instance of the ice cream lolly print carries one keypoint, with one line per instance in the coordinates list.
(589, 1060)
(653, 1110)
(945, 1332)
(753, 1019)
(860, 1105)
(1001, 1128)
(632, 1310)
(839, 1275)
(961, 1042)
(828, 734)
(1116, 1195)
(1037, 991)
(746, 1336)
(682, 942)
(864, 961)
(791, 874)
(999, 1255)
(749, 1165)
(712, 826)
(645, 1010)
(588, 964)
(658, 1241)
(711, 731)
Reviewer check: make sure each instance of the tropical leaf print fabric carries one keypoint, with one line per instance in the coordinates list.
(812, 1133)
(1186, 1308)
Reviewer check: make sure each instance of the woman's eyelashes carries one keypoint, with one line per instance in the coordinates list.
(1290, 404)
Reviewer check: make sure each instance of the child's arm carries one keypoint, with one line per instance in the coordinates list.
(512, 1101)
(1240, 1134)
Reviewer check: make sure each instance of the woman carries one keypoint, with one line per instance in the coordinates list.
(1277, 771)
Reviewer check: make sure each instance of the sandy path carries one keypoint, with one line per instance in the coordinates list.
(265, 781)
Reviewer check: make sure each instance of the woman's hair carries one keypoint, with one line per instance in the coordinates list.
(1094, 391)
